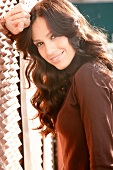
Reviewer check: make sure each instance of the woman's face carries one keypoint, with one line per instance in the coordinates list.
(55, 50)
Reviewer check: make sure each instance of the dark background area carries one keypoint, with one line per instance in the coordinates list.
(99, 14)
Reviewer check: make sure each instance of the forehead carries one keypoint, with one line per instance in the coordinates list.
(39, 28)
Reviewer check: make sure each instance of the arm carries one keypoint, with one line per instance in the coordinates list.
(15, 21)
(95, 98)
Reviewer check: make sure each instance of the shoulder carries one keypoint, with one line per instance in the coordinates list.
(86, 68)
(92, 75)
(85, 72)
(90, 69)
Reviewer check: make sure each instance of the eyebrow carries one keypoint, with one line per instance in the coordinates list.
(47, 35)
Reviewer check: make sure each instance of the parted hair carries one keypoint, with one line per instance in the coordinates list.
(90, 43)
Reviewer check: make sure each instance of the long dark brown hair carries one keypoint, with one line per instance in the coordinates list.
(63, 19)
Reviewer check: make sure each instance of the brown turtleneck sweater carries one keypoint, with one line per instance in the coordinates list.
(85, 122)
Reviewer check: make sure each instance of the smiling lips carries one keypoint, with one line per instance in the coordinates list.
(56, 58)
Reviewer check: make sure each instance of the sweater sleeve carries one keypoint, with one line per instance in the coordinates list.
(95, 98)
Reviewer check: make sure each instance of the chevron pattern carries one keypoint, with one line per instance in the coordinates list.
(11, 157)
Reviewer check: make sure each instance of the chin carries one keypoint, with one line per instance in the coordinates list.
(60, 68)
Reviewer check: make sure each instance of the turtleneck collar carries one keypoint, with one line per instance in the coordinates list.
(74, 65)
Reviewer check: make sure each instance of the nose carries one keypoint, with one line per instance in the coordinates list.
(50, 48)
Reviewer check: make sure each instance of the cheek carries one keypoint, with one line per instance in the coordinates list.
(42, 54)
(63, 41)
(39, 51)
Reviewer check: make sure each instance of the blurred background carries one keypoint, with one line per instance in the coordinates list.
(98, 13)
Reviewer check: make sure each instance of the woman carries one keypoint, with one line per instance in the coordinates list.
(72, 67)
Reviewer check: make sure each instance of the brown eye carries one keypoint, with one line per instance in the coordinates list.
(39, 44)
(53, 37)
